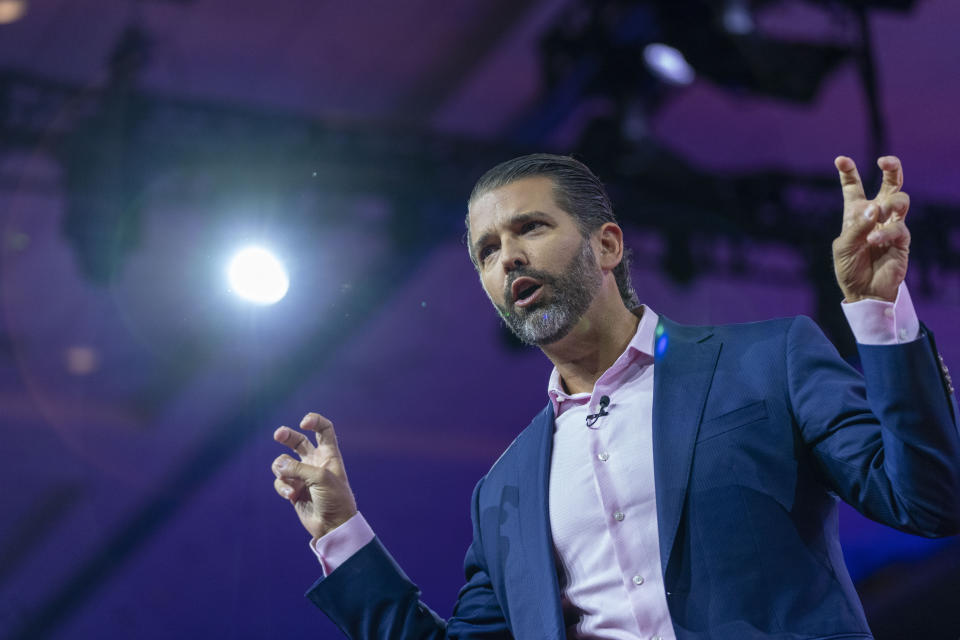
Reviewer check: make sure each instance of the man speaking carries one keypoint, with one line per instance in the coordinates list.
(681, 482)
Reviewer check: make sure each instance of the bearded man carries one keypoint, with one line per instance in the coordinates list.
(681, 482)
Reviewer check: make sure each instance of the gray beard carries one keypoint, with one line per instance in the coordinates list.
(571, 293)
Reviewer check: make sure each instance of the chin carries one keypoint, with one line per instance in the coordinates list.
(543, 326)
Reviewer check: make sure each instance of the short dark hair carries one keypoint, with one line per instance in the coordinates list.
(576, 190)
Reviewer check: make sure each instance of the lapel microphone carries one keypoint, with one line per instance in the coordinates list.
(604, 403)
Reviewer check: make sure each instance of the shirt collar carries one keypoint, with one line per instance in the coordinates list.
(642, 344)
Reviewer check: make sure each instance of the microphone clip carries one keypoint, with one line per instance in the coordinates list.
(604, 403)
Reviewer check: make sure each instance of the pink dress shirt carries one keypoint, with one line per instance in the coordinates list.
(602, 501)
(603, 507)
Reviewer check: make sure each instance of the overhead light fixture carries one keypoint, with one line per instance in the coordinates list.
(668, 64)
(725, 50)
(12, 10)
(258, 276)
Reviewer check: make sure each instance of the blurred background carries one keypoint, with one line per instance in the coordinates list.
(143, 143)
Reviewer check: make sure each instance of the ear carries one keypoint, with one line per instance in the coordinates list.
(610, 236)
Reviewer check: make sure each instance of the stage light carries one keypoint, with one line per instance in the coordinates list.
(668, 64)
(737, 18)
(12, 10)
(258, 276)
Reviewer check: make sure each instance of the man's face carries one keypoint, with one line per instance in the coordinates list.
(536, 267)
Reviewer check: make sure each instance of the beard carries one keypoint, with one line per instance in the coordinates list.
(553, 316)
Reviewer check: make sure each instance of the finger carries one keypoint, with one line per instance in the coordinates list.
(894, 207)
(892, 176)
(896, 234)
(326, 442)
(857, 226)
(285, 490)
(849, 179)
(294, 439)
(291, 470)
(326, 436)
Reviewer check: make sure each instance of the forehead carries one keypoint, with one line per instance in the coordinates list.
(497, 206)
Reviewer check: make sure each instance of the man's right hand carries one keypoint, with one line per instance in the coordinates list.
(317, 484)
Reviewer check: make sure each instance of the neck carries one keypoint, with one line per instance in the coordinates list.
(592, 346)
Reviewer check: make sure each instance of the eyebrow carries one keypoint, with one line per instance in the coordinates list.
(515, 221)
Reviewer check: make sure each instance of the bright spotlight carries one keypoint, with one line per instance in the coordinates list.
(668, 63)
(256, 275)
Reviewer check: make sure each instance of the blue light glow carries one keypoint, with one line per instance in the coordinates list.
(661, 347)
(668, 64)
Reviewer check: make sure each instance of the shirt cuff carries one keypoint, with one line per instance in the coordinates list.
(878, 322)
(336, 547)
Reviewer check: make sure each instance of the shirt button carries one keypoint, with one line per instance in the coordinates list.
(903, 334)
(888, 312)
(618, 516)
(603, 456)
(638, 580)
(657, 638)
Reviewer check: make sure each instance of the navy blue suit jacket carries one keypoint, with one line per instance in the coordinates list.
(757, 430)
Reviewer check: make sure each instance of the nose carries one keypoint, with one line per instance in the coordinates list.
(512, 256)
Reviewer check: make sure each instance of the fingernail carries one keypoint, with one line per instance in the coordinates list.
(287, 492)
(869, 212)
(282, 464)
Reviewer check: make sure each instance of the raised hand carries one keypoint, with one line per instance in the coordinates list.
(870, 254)
(316, 485)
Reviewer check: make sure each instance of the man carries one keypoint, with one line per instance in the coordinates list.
(681, 482)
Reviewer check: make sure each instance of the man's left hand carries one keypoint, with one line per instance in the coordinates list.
(870, 255)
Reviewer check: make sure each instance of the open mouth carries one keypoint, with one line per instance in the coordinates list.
(525, 291)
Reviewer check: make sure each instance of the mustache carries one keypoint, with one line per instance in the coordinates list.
(525, 272)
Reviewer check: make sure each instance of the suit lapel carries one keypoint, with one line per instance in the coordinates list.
(685, 365)
(536, 539)
(684, 368)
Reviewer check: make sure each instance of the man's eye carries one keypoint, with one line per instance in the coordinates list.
(485, 253)
(530, 226)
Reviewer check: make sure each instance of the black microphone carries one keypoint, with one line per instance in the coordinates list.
(604, 403)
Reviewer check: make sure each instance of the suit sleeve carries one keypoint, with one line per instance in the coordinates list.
(887, 443)
(370, 597)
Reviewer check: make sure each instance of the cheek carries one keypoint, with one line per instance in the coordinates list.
(493, 287)
(492, 292)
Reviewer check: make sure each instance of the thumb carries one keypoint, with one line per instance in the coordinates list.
(286, 468)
